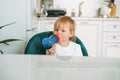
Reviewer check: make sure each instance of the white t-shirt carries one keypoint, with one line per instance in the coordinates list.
(72, 49)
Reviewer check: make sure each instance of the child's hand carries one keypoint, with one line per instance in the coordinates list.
(52, 50)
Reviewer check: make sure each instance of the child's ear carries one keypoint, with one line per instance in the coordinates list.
(71, 34)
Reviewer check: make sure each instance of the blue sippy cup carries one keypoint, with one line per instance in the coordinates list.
(48, 42)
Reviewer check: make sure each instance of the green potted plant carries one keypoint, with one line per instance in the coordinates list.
(6, 41)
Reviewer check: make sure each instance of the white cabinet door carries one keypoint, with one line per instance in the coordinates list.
(111, 50)
(111, 38)
(46, 25)
(89, 33)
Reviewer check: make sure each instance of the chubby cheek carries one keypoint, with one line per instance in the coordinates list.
(63, 38)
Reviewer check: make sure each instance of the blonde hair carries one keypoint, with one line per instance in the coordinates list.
(66, 20)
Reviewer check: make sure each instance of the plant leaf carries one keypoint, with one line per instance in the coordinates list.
(7, 25)
(1, 51)
(8, 40)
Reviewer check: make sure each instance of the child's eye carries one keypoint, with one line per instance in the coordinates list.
(56, 30)
(63, 30)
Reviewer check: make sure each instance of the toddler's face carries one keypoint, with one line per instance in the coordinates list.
(63, 33)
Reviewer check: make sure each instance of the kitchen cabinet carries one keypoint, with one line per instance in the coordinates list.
(89, 33)
(46, 25)
(111, 38)
(111, 50)
(100, 36)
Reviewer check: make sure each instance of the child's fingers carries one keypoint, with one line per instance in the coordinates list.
(52, 50)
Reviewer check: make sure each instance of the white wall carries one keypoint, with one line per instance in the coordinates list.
(118, 7)
(13, 11)
(89, 7)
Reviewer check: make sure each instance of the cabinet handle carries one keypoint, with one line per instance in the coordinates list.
(83, 22)
(32, 29)
(114, 37)
(115, 45)
(51, 23)
(115, 26)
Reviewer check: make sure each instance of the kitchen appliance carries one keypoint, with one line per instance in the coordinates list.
(55, 13)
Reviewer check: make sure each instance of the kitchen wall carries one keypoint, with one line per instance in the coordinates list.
(13, 11)
(118, 8)
(89, 8)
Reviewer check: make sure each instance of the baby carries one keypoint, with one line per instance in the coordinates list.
(64, 28)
